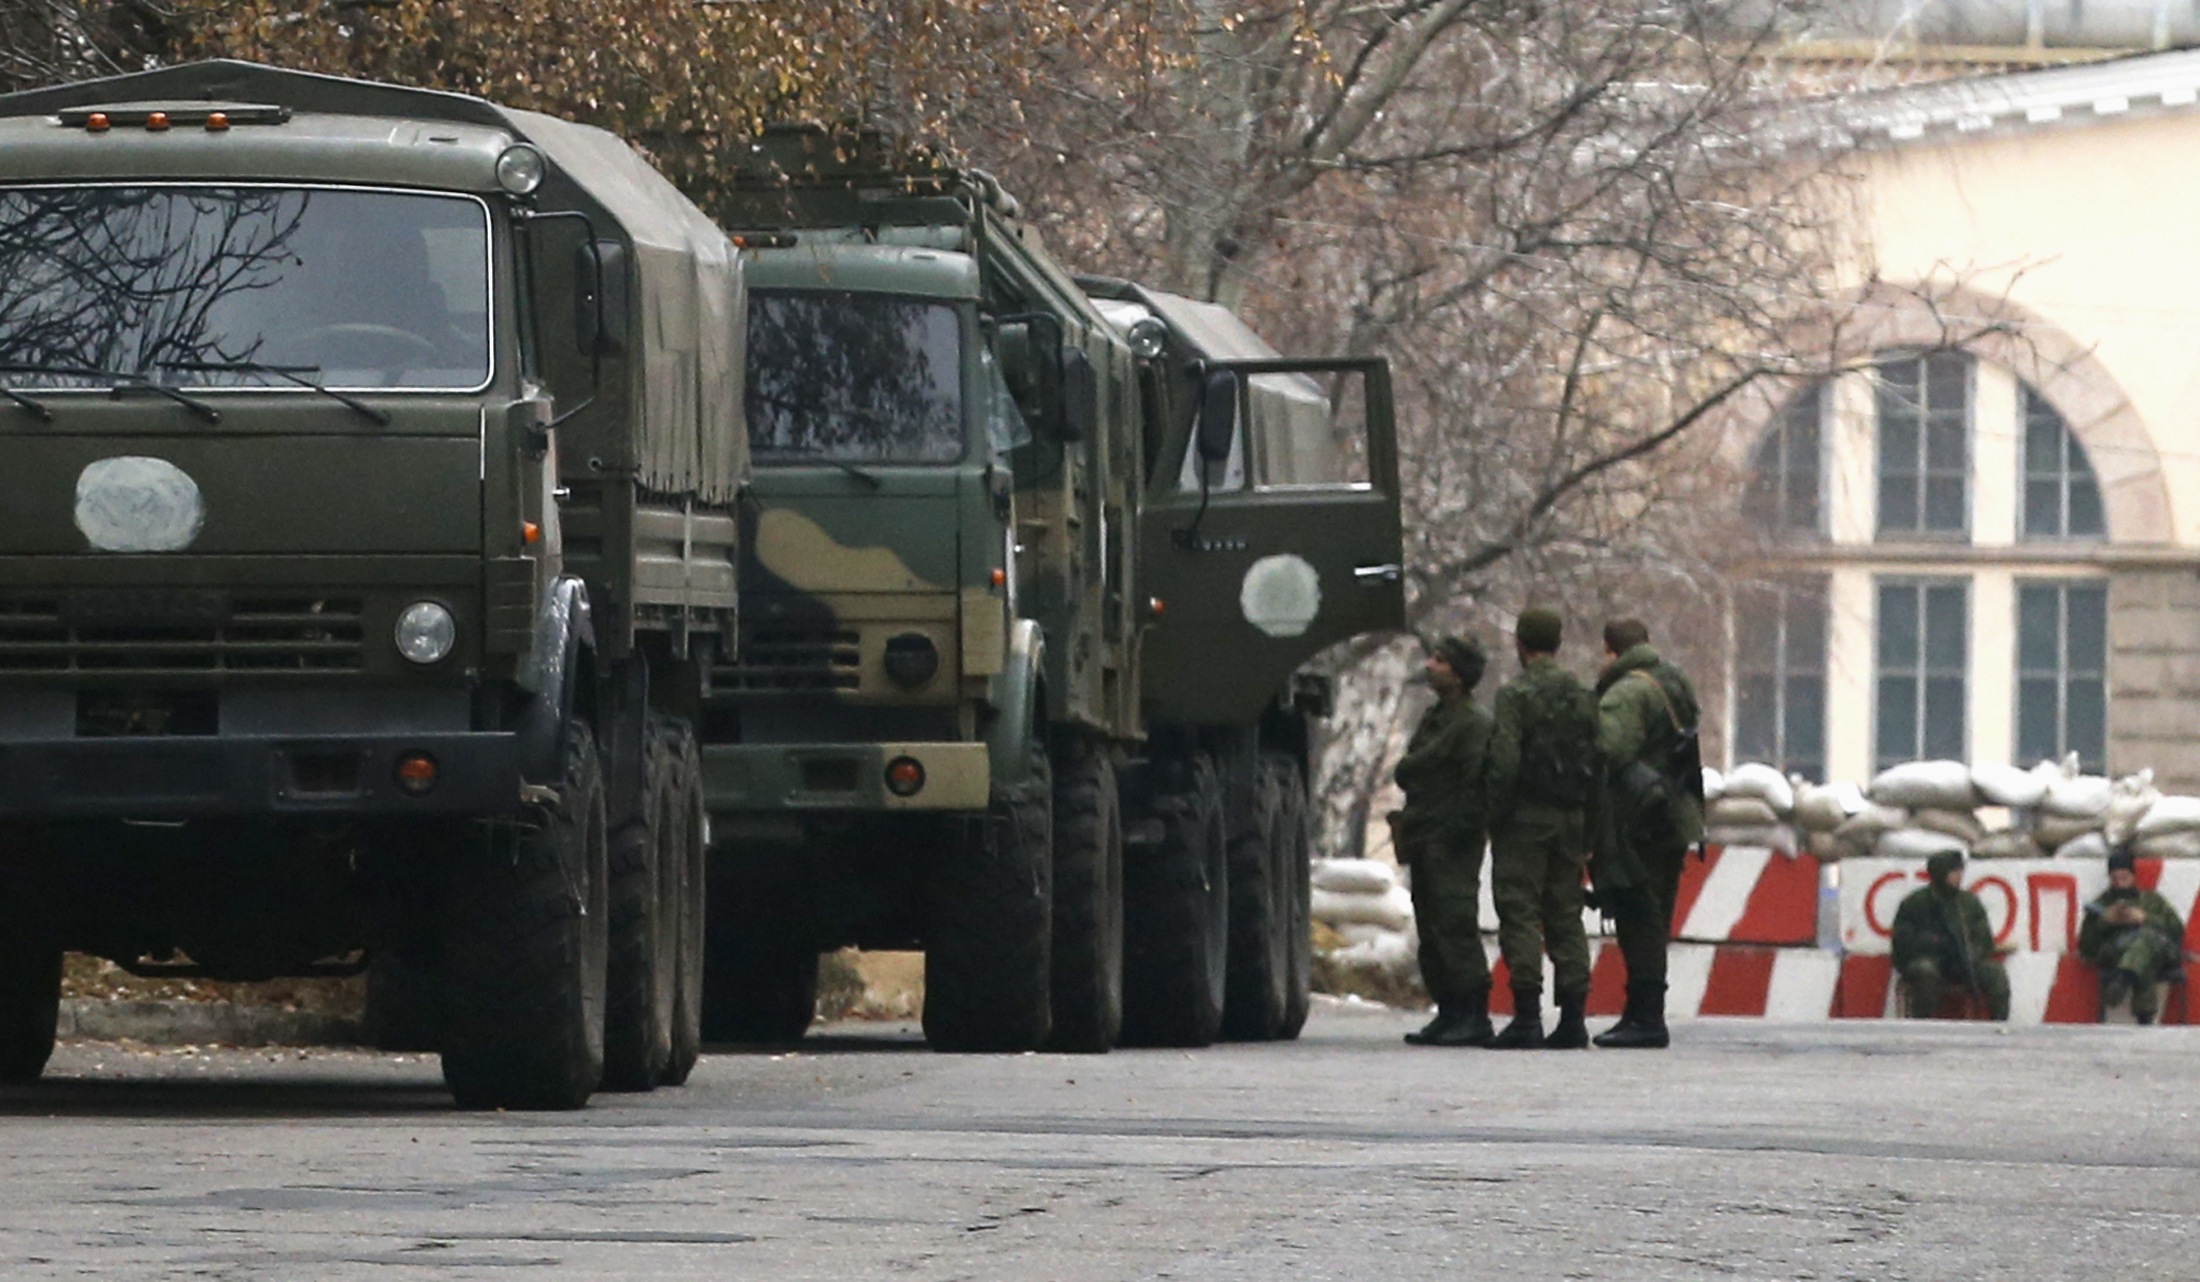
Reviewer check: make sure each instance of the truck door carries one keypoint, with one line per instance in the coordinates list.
(1258, 561)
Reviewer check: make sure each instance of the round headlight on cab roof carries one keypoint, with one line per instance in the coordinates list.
(521, 169)
(426, 632)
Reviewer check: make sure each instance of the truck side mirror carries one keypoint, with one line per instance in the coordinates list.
(603, 307)
(1080, 404)
(1029, 348)
(1218, 407)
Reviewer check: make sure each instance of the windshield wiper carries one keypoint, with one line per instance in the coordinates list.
(120, 381)
(290, 373)
(867, 477)
(30, 403)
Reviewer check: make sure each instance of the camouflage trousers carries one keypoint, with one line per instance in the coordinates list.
(1447, 914)
(1642, 917)
(1928, 983)
(2135, 962)
(1536, 861)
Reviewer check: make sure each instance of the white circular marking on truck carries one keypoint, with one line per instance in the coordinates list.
(1281, 596)
(137, 504)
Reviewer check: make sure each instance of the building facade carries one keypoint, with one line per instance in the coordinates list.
(1993, 553)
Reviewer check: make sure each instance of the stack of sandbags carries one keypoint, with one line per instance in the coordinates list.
(1753, 807)
(1371, 914)
(1820, 812)
(2170, 829)
(2018, 792)
(1936, 804)
(2073, 811)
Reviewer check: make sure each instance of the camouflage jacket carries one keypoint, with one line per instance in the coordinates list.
(1643, 703)
(2099, 933)
(1927, 926)
(1441, 774)
(1544, 720)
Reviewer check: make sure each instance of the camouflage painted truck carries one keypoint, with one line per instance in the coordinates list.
(1033, 567)
(367, 520)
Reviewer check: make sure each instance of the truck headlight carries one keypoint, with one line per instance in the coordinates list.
(426, 632)
(521, 169)
(911, 659)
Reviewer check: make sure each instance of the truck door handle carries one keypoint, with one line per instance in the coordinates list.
(1371, 575)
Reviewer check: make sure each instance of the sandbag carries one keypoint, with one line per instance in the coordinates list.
(1732, 811)
(2007, 843)
(1391, 953)
(1920, 785)
(2090, 845)
(2008, 786)
(1778, 837)
(1823, 808)
(2170, 814)
(1862, 829)
(2053, 831)
(2078, 796)
(2181, 843)
(1960, 824)
(2129, 799)
(1355, 933)
(1762, 782)
(1354, 876)
(1714, 784)
(1829, 849)
(1917, 843)
(1392, 909)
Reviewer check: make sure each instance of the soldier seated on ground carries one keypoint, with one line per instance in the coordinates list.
(2136, 939)
(1942, 943)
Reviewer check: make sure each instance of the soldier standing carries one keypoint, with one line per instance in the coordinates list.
(1541, 775)
(1440, 835)
(2135, 937)
(1653, 813)
(1941, 935)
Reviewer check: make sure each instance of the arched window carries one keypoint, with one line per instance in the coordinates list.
(1784, 483)
(2062, 498)
(1924, 445)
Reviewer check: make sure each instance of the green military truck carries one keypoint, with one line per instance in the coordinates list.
(366, 532)
(1033, 564)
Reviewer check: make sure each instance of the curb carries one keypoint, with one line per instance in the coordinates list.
(156, 1023)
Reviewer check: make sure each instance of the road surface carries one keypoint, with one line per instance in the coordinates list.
(1862, 1150)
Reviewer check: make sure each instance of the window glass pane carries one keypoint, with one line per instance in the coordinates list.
(2043, 516)
(1944, 716)
(1806, 718)
(1756, 716)
(2087, 621)
(1897, 389)
(1898, 429)
(2086, 729)
(1898, 639)
(2043, 438)
(1897, 719)
(1806, 631)
(856, 377)
(1948, 383)
(2037, 738)
(1944, 503)
(1945, 643)
(1898, 503)
(1802, 501)
(2038, 628)
(1757, 630)
(2086, 517)
(1944, 443)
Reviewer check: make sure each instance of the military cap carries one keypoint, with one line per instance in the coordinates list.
(2122, 858)
(1538, 629)
(1943, 863)
(1466, 657)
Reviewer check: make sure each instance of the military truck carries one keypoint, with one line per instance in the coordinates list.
(368, 526)
(1033, 563)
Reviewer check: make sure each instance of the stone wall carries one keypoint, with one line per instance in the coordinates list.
(2154, 675)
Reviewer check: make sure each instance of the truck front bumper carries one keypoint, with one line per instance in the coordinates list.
(843, 776)
(184, 777)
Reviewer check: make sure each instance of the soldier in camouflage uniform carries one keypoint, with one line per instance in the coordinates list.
(1653, 813)
(1440, 835)
(2135, 937)
(1941, 937)
(1542, 774)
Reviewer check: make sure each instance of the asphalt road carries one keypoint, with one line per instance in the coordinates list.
(1857, 1150)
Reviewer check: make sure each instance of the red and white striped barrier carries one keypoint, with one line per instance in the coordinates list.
(1705, 979)
(1730, 895)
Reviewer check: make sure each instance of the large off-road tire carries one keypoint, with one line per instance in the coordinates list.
(644, 892)
(1087, 961)
(1295, 848)
(1260, 946)
(524, 939)
(988, 931)
(689, 840)
(404, 1003)
(30, 1005)
(1176, 909)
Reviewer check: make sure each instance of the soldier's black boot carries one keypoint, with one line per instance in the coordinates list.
(1525, 1033)
(1465, 1022)
(1448, 1016)
(1570, 1034)
(1643, 1026)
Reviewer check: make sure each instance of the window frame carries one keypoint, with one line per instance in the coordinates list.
(1924, 474)
(1778, 435)
(2076, 461)
(1786, 592)
(1922, 671)
(2062, 675)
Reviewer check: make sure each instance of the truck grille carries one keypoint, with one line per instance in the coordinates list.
(792, 660)
(160, 632)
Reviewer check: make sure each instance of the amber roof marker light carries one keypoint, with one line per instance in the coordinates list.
(217, 121)
(156, 121)
(97, 123)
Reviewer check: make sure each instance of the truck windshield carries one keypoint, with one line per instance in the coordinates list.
(243, 287)
(853, 378)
